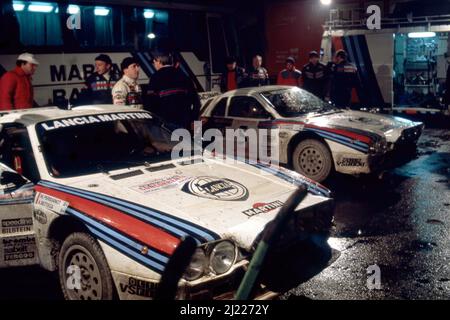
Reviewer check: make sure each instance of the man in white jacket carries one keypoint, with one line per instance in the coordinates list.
(127, 91)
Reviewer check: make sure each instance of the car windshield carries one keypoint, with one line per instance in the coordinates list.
(98, 143)
(295, 102)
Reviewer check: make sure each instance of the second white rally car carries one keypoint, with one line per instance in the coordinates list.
(314, 137)
(94, 194)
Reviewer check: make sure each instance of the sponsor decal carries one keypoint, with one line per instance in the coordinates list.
(40, 216)
(263, 208)
(351, 162)
(16, 225)
(48, 202)
(139, 287)
(160, 183)
(78, 121)
(19, 248)
(216, 189)
(295, 127)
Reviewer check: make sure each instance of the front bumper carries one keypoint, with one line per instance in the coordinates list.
(222, 287)
(393, 155)
(408, 138)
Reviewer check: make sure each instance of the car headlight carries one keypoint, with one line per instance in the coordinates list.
(379, 146)
(197, 266)
(222, 257)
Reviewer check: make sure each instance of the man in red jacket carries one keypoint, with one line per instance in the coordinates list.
(16, 91)
(289, 76)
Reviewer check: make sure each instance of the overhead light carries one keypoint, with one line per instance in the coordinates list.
(101, 11)
(149, 14)
(325, 2)
(18, 6)
(427, 34)
(40, 7)
(73, 9)
(151, 35)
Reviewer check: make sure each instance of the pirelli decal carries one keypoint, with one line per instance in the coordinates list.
(98, 118)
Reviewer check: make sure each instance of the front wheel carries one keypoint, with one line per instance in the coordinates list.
(312, 159)
(83, 270)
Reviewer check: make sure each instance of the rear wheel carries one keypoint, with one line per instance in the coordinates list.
(83, 270)
(312, 159)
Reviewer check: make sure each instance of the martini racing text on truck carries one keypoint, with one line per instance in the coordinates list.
(93, 194)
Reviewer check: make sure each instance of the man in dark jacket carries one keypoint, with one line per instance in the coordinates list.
(100, 83)
(314, 75)
(257, 74)
(172, 94)
(233, 77)
(343, 78)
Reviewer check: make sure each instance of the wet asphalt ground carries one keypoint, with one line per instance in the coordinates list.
(399, 222)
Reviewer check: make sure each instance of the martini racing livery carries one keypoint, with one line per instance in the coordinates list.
(93, 194)
(314, 137)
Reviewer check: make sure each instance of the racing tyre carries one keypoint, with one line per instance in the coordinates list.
(312, 159)
(83, 270)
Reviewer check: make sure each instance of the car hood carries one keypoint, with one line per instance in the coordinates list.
(390, 127)
(217, 197)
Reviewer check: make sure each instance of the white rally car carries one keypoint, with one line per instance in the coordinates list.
(93, 194)
(314, 137)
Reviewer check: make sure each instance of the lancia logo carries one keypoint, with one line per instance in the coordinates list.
(216, 189)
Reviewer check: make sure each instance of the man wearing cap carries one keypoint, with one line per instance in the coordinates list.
(100, 83)
(343, 78)
(16, 90)
(126, 91)
(289, 76)
(314, 75)
(233, 77)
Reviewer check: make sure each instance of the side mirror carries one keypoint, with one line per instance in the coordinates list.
(8, 177)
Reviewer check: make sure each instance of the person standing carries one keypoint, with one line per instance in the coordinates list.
(127, 91)
(447, 85)
(343, 78)
(233, 77)
(16, 90)
(172, 94)
(100, 83)
(257, 75)
(314, 75)
(289, 76)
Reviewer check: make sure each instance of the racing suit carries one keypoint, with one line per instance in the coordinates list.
(127, 92)
(289, 78)
(257, 77)
(99, 87)
(314, 77)
(172, 97)
(343, 78)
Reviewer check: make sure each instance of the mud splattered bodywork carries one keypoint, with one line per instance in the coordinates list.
(359, 142)
(138, 204)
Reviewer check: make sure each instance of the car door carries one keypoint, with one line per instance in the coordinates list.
(246, 113)
(17, 238)
(216, 118)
